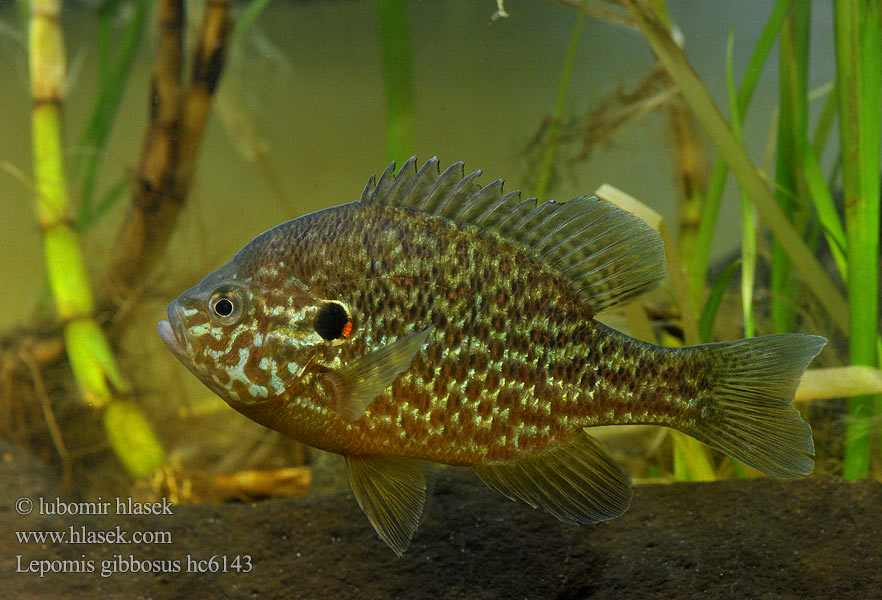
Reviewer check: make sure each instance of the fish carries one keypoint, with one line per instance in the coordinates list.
(440, 321)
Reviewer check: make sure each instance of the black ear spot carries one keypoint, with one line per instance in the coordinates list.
(332, 321)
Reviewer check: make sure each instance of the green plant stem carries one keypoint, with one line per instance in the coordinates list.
(700, 258)
(90, 356)
(792, 123)
(859, 90)
(397, 77)
(712, 306)
(546, 169)
(748, 224)
(698, 98)
(91, 360)
(824, 207)
(825, 123)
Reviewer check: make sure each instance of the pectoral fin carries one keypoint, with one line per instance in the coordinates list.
(393, 492)
(353, 387)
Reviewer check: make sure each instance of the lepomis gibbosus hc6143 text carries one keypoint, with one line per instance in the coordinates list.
(439, 321)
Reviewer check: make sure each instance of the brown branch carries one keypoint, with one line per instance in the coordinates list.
(171, 147)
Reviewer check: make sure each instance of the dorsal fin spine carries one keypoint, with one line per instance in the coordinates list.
(485, 196)
(455, 191)
(420, 180)
(404, 180)
(368, 188)
(445, 180)
(606, 254)
(487, 215)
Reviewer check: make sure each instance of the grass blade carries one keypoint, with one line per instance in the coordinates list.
(825, 208)
(825, 123)
(792, 123)
(748, 219)
(546, 169)
(709, 314)
(700, 258)
(111, 84)
(246, 19)
(397, 77)
(697, 96)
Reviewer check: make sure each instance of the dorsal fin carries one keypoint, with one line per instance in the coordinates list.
(607, 254)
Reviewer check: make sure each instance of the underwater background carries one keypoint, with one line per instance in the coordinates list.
(314, 97)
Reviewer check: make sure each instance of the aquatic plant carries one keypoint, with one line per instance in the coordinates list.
(796, 206)
(172, 146)
(858, 56)
(859, 91)
(397, 77)
(91, 359)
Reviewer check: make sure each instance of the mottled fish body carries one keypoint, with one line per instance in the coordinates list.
(435, 320)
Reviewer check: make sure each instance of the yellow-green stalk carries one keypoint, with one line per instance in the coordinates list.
(91, 359)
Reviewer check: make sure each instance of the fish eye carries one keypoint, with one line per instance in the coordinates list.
(225, 305)
(333, 322)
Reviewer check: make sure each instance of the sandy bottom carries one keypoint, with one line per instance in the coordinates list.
(760, 538)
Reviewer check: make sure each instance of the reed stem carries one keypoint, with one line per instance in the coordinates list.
(89, 354)
(792, 124)
(859, 90)
(171, 148)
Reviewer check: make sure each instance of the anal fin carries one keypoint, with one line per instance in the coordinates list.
(392, 492)
(576, 481)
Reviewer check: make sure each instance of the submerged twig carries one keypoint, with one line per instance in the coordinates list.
(172, 143)
(49, 417)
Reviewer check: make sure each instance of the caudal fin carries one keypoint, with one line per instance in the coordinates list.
(750, 417)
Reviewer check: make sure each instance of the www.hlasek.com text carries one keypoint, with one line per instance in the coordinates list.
(85, 535)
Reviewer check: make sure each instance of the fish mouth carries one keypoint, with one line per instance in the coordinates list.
(172, 332)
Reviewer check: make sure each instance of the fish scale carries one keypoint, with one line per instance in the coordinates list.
(542, 403)
(439, 321)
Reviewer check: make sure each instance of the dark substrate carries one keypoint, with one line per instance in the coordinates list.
(758, 538)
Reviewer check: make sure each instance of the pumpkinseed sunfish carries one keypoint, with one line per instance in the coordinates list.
(439, 321)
